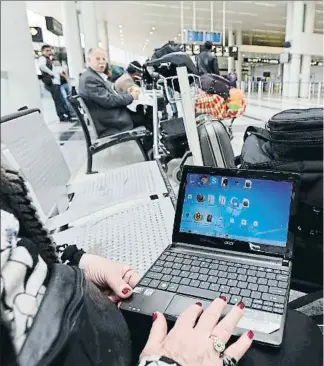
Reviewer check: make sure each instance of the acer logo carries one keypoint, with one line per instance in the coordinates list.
(229, 242)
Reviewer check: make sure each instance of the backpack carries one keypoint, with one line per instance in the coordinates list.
(164, 50)
(293, 142)
(116, 72)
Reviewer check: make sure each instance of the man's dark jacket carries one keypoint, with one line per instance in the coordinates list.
(207, 63)
(108, 109)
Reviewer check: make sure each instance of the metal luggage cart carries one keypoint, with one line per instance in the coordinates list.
(188, 86)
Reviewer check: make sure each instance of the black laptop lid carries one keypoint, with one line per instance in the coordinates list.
(238, 210)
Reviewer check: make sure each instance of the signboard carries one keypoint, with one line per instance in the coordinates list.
(233, 51)
(54, 26)
(195, 36)
(214, 37)
(219, 51)
(203, 36)
(188, 49)
(316, 63)
(36, 33)
(261, 61)
(196, 49)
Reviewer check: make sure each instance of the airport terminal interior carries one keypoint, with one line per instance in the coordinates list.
(184, 140)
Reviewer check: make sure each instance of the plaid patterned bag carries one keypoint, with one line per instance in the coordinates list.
(218, 107)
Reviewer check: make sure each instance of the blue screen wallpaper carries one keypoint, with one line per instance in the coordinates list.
(250, 210)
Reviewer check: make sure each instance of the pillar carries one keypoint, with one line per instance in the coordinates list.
(230, 43)
(238, 63)
(72, 40)
(89, 24)
(307, 59)
(104, 38)
(286, 68)
(295, 62)
(18, 72)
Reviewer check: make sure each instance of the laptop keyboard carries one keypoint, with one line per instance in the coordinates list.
(260, 288)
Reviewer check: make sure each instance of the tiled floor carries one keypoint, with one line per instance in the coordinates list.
(70, 137)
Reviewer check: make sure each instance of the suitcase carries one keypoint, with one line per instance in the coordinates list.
(215, 143)
(214, 140)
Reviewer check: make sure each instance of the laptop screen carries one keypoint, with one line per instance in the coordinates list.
(236, 208)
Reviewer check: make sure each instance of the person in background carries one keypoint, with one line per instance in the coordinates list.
(108, 72)
(207, 62)
(107, 107)
(232, 77)
(133, 74)
(65, 89)
(52, 83)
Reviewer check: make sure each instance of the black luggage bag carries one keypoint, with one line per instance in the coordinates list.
(174, 137)
(293, 142)
(214, 140)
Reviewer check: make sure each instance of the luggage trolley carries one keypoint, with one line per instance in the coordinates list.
(178, 138)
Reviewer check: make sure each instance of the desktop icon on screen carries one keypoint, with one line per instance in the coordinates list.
(248, 184)
(222, 200)
(224, 182)
(203, 180)
(200, 198)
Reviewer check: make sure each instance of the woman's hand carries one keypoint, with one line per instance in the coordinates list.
(189, 342)
(114, 279)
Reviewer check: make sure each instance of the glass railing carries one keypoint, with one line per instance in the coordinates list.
(312, 90)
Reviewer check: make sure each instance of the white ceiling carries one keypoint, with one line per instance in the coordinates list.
(264, 20)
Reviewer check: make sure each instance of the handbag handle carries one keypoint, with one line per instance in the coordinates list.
(257, 131)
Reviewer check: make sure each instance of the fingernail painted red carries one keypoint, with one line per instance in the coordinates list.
(241, 305)
(223, 298)
(250, 334)
(199, 303)
(125, 291)
(154, 316)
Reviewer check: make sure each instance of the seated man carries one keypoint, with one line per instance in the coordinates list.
(107, 107)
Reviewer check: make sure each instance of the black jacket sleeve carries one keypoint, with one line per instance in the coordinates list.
(96, 92)
(215, 66)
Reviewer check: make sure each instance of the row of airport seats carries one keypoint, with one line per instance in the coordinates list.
(125, 214)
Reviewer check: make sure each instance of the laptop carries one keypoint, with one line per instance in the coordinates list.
(232, 236)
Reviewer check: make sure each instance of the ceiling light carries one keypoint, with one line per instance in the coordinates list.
(153, 28)
(156, 5)
(151, 32)
(120, 26)
(270, 5)
(179, 34)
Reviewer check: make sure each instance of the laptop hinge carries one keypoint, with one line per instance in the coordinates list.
(285, 262)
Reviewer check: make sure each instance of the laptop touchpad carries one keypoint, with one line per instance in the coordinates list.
(181, 303)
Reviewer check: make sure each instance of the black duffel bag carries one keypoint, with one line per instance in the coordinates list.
(165, 49)
(297, 134)
(215, 84)
(293, 142)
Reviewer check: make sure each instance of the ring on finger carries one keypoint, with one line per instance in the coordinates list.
(218, 345)
(228, 361)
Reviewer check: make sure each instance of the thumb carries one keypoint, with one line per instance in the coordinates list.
(157, 335)
(119, 287)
